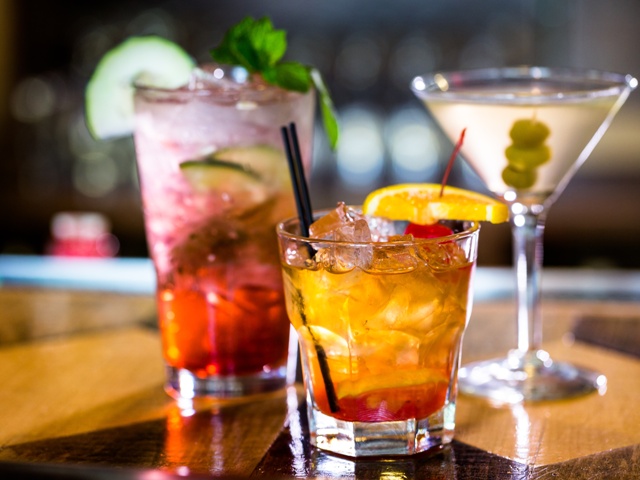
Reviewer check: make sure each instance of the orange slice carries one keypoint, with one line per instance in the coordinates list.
(421, 203)
(392, 380)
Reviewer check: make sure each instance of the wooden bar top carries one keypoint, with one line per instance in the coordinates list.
(82, 394)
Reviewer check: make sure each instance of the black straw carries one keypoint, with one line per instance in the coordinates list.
(305, 213)
(301, 191)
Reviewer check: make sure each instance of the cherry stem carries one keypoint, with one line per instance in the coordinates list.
(454, 154)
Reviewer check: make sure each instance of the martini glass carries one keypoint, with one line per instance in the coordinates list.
(528, 130)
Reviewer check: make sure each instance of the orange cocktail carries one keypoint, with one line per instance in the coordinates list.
(391, 338)
(380, 325)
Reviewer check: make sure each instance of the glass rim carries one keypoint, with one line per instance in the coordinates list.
(434, 85)
(263, 95)
(471, 228)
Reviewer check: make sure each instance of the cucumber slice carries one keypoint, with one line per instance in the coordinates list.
(152, 60)
(244, 187)
(269, 162)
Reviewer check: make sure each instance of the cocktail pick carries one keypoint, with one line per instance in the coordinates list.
(456, 149)
(305, 213)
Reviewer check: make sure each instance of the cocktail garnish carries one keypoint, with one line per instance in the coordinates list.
(435, 230)
(421, 203)
(150, 61)
(452, 158)
(526, 153)
(259, 48)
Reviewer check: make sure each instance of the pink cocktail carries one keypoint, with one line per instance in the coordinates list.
(214, 183)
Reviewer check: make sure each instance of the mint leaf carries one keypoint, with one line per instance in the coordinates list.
(259, 48)
(268, 43)
(226, 52)
(246, 55)
(253, 44)
(290, 76)
(329, 116)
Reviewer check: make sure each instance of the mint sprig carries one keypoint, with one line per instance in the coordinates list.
(259, 48)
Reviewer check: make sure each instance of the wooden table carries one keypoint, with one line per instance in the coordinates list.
(82, 397)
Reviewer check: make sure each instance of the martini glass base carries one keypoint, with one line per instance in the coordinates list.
(528, 377)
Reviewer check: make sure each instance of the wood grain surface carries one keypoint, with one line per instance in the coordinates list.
(82, 386)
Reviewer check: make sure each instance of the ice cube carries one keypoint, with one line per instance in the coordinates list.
(236, 85)
(342, 223)
(385, 350)
(347, 225)
(360, 231)
(218, 76)
(336, 259)
(381, 228)
(442, 256)
(393, 256)
(401, 238)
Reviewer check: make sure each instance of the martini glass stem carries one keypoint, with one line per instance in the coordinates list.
(528, 229)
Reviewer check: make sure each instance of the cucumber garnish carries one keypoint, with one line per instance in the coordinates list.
(268, 162)
(210, 173)
(151, 60)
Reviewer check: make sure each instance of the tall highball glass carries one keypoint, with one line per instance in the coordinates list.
(214, 182)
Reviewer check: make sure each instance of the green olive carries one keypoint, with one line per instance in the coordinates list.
(528, 133)
(526, 158)
(519, 179)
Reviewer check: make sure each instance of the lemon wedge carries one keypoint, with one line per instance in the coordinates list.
(421, 203)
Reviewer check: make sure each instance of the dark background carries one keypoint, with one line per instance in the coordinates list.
(368, 51)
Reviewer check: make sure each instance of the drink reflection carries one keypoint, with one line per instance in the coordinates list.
(440, 466)
(187, 429)
(307, 461)
(210, 437)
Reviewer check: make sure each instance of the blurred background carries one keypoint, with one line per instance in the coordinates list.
(369, 50)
